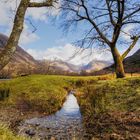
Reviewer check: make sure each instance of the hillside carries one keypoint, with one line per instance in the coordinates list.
(95, 65)
(20, 60)
(65, 66)
(131, 65)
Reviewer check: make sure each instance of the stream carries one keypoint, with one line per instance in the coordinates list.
(65, 124)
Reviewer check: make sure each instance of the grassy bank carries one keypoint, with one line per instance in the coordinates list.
(41, 93)
(111, 108)
(34, 96)
(34, 93)
(28, 97)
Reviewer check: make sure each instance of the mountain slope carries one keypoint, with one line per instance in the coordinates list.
(95, 65)
(58, 67)
(21, 59)
(65, 66)
(91, 66)
(131, 65)
(22, 62)
(20, 55)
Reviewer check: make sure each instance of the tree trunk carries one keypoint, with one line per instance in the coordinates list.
(118, 62)
(12, 43)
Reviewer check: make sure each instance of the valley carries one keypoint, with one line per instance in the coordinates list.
(23, 63)
(69, 70)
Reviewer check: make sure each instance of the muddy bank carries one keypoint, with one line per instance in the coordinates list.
(13, 117)
(113, 125)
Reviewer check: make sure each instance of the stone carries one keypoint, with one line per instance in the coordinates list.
(52, 138)
(115, 136)
(30, 132)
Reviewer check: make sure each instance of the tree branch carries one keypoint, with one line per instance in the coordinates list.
(13, 40)
(110, 13)
(131, 14)
(131, 47)
(118, 26)
(94, 24)
(47, 3)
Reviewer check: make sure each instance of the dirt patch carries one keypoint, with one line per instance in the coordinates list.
(13, 117)
(114, 126)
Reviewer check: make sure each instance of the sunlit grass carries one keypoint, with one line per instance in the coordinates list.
(111, 95)
(106, 104)
(46, 94)
(7, 134)
(42, 93)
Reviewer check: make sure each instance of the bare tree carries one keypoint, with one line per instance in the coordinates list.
(105, 23)
(12, 43)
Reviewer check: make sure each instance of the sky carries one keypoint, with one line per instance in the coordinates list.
(48, 41)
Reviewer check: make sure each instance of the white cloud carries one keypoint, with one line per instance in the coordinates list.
(27, 36)
(127, 31)
(66, 52)
(3, 15)
(38, 13)
(7, 10)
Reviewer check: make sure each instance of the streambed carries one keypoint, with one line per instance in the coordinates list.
(65, 124)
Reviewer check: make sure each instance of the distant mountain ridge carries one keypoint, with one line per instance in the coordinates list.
(22, 60)
(95, 65)
(65, 66)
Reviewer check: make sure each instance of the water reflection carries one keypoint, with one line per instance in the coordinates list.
(70, 108)
(64, 124)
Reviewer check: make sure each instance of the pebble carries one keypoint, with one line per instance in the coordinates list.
(30, 132)
(52, 138)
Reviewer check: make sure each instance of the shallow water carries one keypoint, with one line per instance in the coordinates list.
(64, 124)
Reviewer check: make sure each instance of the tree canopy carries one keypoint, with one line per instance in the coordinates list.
(108, 25)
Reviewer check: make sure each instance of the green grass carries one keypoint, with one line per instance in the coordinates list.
(110, 106)
(50, 91)
(111, 95)
(46, 94)
(39, 93)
